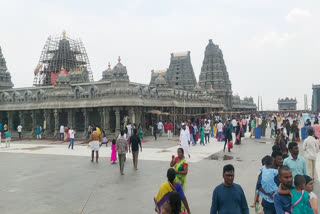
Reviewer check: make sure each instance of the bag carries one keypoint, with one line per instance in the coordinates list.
(230, 145)
(298, 139)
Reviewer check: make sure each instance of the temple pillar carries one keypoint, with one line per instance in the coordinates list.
(34, 123)
(86, 122)
(56, 123)
(106, 120)
(74, 119)
(117, 113)
(70, 118)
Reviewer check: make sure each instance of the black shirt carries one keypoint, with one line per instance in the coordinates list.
(135, 142)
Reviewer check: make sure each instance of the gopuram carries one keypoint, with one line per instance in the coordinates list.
(64, 92)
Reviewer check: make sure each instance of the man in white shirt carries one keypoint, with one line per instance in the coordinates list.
(207, 129)
(234, 124)
(61, 132)
(160, 128)
(129, 128)
(220, 131)
(185, 139)
(311, 148)
(71, 134)
(19, 128)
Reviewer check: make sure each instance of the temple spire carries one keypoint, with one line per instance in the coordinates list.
(119, 59)
(64, 34)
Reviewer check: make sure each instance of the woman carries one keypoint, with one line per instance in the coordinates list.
(316, 129)
(140, 132)
(238, 133)
(181, 167)
(165, 195)
(313, 198)
(201, 131)
(94, 140)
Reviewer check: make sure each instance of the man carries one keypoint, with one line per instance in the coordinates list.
(191, 133)
(264, 126)
(19, 128)
(134, 143)
(170, 126)
(311, 148)
(122, 149)
(229, 197)
(71, 135)
(220, 131)
(234, 125)
(282, 203)
(185, 139)
(129, 128)
(295, 162)
(62, 132)
(244, 124)
(160, 128)
(155, 128)
(227, 135)
(207, 129)
(253, 126)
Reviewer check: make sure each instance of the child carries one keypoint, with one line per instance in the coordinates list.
(299, 197)
(7, 138)
(166, 208)
(268, 174)
(113, 152)
(285, 153)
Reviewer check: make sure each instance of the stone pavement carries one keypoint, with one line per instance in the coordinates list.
(39, 177)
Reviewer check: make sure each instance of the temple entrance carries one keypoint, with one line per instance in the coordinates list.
(4, 118)
(94, 118)
(63, 119)
(27, 122)
(112, 121)
(15, 120)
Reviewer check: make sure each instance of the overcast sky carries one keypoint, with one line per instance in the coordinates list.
(271, 47)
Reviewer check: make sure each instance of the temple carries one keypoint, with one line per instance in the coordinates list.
(5, 77)
(214, 74)
(63, 93)
(287, 104)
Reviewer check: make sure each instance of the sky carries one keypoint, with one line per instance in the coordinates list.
(270, 47)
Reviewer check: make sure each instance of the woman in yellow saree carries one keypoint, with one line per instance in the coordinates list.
(181, 167)
(166, 189)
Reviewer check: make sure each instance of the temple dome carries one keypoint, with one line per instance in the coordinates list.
(62, 79)
(197, 88)
(120, 71)
(160, 81)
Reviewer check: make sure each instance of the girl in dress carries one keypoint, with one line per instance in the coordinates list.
(113, 152)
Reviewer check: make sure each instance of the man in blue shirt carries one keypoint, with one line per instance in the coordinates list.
(282, 203)
(228, 197)
(296, 163)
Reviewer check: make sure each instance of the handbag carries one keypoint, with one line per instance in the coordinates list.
(230, 145)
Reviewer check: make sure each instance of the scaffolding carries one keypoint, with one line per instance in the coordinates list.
(61, 52)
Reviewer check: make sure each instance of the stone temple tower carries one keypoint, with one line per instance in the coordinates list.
(214, 73)
(5, 77)
(180, 74)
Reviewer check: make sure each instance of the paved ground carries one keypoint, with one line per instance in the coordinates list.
(48, 178)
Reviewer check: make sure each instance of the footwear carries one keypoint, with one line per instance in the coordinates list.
(122, 173)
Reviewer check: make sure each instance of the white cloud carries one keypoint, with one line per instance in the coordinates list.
(274, 39)
(297, 14)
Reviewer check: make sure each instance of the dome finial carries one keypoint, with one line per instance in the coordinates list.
(109, 65)
(119, 59)
(64, 34)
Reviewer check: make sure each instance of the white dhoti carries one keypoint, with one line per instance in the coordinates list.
(186, 149)
(95, 146)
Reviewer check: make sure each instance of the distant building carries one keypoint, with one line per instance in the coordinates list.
(287, 104)
(315, 98)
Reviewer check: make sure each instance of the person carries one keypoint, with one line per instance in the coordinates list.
(190, 128)
(267, 181)
(295, 162)
(95, 139)
(299, 198)
(160, 128)
(253, 126)
(272, 126)
(227, 136)
(280, 140)
(238, 133)
(294, 130)
(38, 131)
(185, 139)
(201, 131)
(207, 129)
(169, 127)
(310, 148)
(122, 149)
(166, 189)
(244, 124)
(316, 129)
(71, 133)
(19, 128)
(7, 136)
(135, 142)
(66, 134)
(61, 132)
(282, 203)
(129, 130)
(264, 126)
(229, 197)
(155, 128)
(5, 127)
(104, 138)
(113, 157)
(180, 165)
(140, 132)
(313, 198)
(220, 131)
